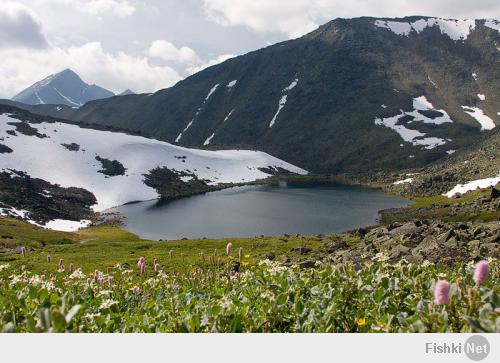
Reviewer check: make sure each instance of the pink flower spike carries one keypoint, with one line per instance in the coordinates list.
(481, 272)
(229, 248)
(142, 269)
(157, 267)
(49, 258)
(96, 275)
(442, 292)
(71, 268)
(23, 251)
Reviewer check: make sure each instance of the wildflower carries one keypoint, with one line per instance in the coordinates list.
(442, 292)
(140, 262)
(60, 263)
(71, 268)
(107, 303)
(229, 249)
(157, 267)
(23, 251)
(142, 268)
(96, 275)
(170, 253)
(361, 322)
(202, 256)
(111, 280)
(481, 272)
(49, 258)
(88, 281)
(240, 252)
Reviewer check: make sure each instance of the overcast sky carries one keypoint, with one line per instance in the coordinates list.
(148, 45)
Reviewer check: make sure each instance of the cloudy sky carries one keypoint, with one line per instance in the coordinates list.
(148, 45)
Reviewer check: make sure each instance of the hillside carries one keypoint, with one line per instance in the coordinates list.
(355, 94)
(44, 163)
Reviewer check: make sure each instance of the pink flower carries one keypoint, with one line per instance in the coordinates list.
(96, 275)
(142, 269)
(240, 252)
(229, 248)
(71, 268)
(481, 272)
(23, 251)
(61, 262)
(442, 292)
(157, 267)
(89, 281)
(49, 258)
(110, 280)
(141, 261)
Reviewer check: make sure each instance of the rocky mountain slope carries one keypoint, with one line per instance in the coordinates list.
(355, 94)
(103, 169)
(63, 88)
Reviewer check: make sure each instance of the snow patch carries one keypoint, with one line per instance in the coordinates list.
(228, 115)
(493, 24)
(449, 152)
(383, 106)
(212, 90)
(478, 114)
(405, 181)
(473, 185)
(414, 136)
(283, 99)
(232, 83)
(44, 158)
(66, 225)
(481, 96)
(474, 75)
(455, 29)
(207, 141)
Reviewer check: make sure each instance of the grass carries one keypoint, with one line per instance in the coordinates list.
(103, 247)
(421, 202)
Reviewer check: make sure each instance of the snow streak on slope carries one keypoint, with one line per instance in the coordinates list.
(283, 99)
(478, 114)
(212, 90)
(455, 29)
(47, 159)
(414, 136)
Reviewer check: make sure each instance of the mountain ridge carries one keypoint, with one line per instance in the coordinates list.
(62, 88)
(369, 93)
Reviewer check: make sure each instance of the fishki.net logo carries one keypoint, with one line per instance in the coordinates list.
(476, 348)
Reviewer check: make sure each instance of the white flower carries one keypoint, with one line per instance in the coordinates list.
(107, 303)
(4, 267)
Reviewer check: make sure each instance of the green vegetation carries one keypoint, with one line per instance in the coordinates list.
(106, 246)
(421, 202)
(378, 297)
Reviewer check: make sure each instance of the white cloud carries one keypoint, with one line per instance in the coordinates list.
(97, 7)
(21, 67)
(121, 8)
(196, 68)
(169, 52)
(297, 17)
(20, 27)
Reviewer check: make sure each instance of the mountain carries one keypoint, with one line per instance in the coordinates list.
(63, 88)
(356, 94)
(44, 162)
(127, 92)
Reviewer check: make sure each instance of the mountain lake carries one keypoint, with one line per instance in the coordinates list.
(259, 210)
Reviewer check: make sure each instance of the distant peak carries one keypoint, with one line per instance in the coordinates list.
(127, 92)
